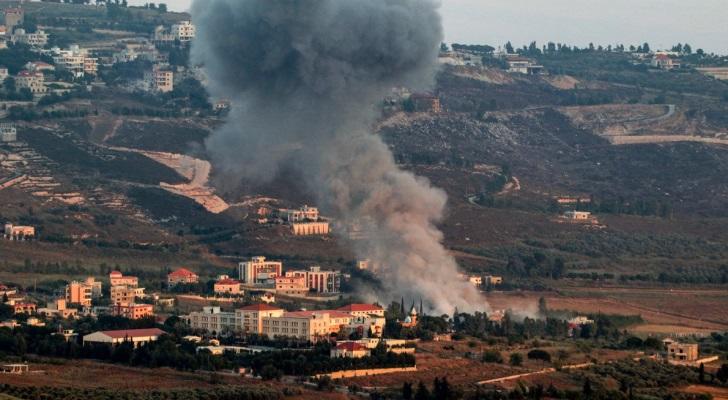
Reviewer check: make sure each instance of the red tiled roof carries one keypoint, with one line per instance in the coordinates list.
(116, 274)
(360, 307)
(227, 281)
(181, 272)
(309, 314)
(350, 346)
(259, 307)
(133, 333)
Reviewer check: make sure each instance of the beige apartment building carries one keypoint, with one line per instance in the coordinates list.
(306, 325)
(159, 79)
(132, 311)
(250, 318)
(33, 81)
(116, 278)
(79, 293)
(125, 295)
(213, 320)
(183, 31)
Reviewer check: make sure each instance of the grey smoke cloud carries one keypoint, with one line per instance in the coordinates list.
(305, 78)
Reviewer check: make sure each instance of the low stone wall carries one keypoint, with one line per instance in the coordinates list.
(352, 373)
(695, 363)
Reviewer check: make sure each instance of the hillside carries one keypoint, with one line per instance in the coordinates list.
(504, 147)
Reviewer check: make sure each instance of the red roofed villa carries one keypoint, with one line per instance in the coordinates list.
(227, 285)
(182, 275)
(350, 350)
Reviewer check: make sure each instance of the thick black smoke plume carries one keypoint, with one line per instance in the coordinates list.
(305, 78)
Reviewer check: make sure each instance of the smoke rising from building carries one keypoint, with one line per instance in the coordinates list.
(305, 79)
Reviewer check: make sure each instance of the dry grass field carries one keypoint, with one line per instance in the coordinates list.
(448, 359)
(664, 310)
(90, 374)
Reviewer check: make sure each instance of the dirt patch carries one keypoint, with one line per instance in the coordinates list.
(564, 82)
(717, 392)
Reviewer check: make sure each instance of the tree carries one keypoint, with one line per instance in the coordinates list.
(516, 359)
(539, 354)
(9, 84)
(407, 391)
(270, 372)
(509, 48)
(162, 7)
(542, 308)
(646, 48)
(443, 47)
(701, 371)
(325, 383)
(422, 392)
(722, 373)
(442, 389)
(492, 356)
(587, 389)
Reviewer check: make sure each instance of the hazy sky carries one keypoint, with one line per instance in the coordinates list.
(662, 23)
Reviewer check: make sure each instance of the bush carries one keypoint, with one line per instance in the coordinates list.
(492, 356)
(516, 359)
(538, 354)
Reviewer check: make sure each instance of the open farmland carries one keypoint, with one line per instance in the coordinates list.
(91, 374)
(664, 310)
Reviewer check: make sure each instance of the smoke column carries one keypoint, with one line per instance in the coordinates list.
(305, 79)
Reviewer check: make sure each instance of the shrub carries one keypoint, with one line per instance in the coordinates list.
(492, 356)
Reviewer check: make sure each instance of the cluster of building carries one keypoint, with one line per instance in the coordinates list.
(259, 271)
(78, 297)
(303, 221)
(183, 32)
(14, 18)
(365, 320)
(75, 60)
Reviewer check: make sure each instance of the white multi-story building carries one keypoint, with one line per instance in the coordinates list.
(37, 39)
(3, 74)
(259, 271)
(33, 81)
(304, 213)
(8, 133)
(75, 60)
(183, 31)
